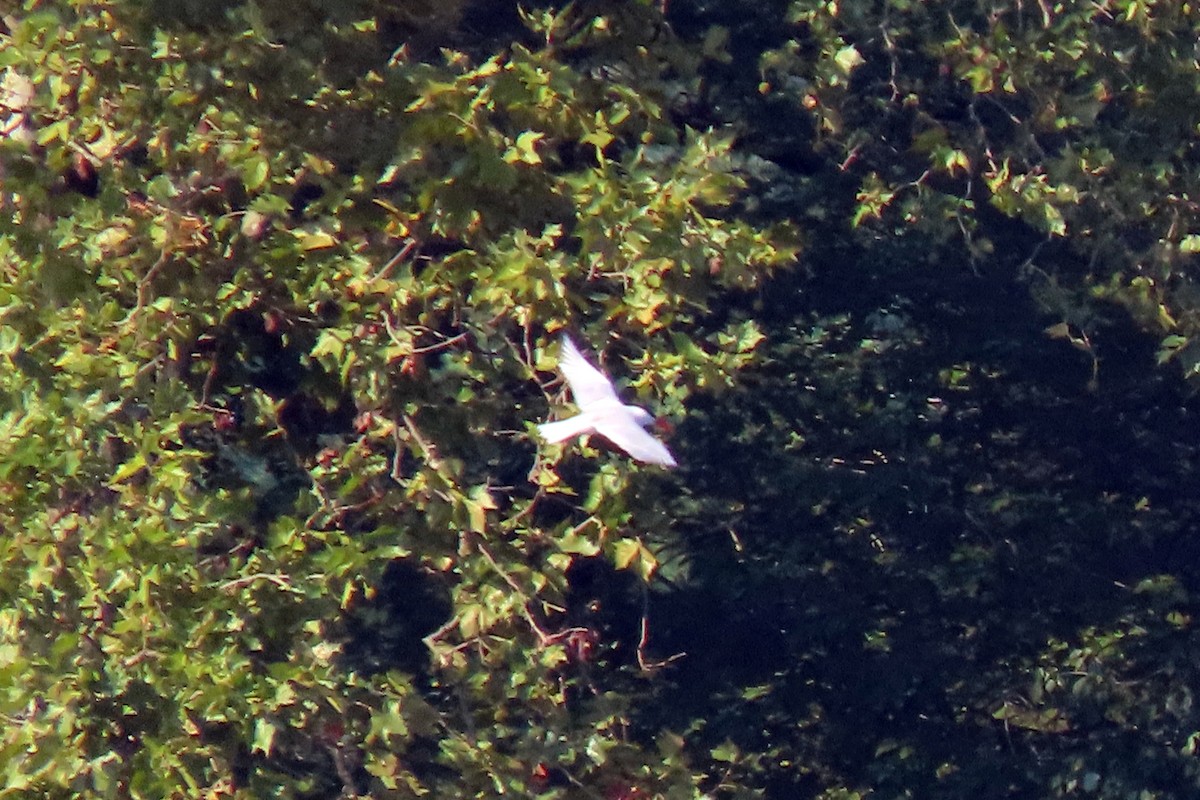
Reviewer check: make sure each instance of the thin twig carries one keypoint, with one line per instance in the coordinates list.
(143, 291)
(544, 638)
(427, 449)
(644, 640)
(433, 348)
(409, 245)
(400, 449)
(441, 632)
(349, 786)
(282, 581)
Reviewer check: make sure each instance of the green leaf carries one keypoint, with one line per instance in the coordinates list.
(727, 751)
(525, 148)
(848, 59)
(255, 170)
(625, 551)
(128, 469)
(315, 240)
(389, 723)
(264, 736)
(598, 139)
(632, 554)
(478, 504)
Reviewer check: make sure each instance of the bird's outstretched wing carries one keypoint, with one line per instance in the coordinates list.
(588, 384)
(621, 429)
(564, 429)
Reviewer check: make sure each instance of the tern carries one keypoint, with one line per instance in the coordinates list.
(601, 412)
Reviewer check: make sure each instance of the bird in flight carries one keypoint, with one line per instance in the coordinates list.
(601, 412)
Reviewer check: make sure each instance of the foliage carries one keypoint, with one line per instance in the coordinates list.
(280, 283)
(1074, 119)
(951, 513)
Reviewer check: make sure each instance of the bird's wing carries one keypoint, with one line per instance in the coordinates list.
(564, 429)
(622, 430)
(588, 384)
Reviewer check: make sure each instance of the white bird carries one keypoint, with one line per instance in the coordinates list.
(601, 412)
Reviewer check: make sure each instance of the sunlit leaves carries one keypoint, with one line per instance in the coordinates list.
(1048, 106)
(632, 554)
(1030, 195)
(848, 59)
(524, 149)
(255, 170)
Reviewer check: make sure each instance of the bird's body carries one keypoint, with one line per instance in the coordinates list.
(601, 412)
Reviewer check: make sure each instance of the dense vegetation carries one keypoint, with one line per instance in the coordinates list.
(281, 289)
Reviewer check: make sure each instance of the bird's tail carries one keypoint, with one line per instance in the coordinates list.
(565, 429)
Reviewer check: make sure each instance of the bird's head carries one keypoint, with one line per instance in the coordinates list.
(663, 426)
